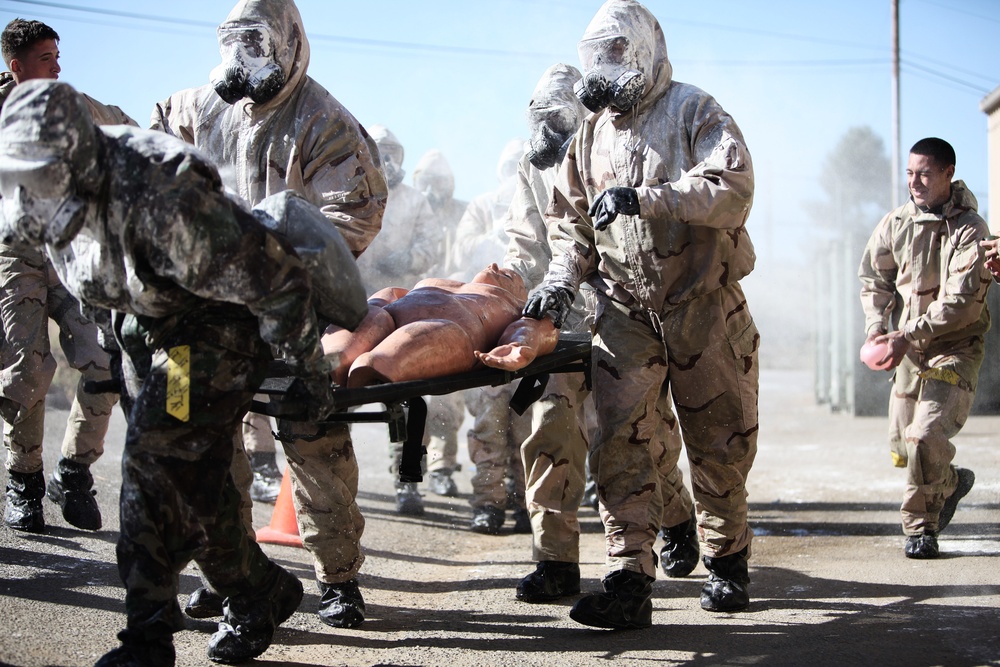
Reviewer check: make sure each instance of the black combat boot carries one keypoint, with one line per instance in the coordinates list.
(550, 581)
(24, 501)
(204, 603)
(72, 488)
(409, 502)
(138, 651)
(341, 605)
(266, 477)
(923, 546)
(442, 484)
(625, 604)
(522, 522)
(728, 583)
(249, 620)
(680, 552)
(487, 520)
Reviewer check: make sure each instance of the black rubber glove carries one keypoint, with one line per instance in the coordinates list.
(549, 298)
(612, 202)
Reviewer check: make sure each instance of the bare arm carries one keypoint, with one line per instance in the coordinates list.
(522, 342)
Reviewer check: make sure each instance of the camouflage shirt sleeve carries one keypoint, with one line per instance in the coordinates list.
(718, 191)
(961, 299)
(570, 231)
(877, 273)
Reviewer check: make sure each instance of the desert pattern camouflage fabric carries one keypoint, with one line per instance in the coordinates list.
(302, 140)
(671, 315)
(494, 446)
(713, 378)
(30, 294)
(324, 471)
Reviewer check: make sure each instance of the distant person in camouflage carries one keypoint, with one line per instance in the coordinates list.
(650, 209)
(137, 223)
(30, 295)
(274, 128)
(924, 281)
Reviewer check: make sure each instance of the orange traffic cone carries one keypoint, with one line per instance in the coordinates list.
(284, 529)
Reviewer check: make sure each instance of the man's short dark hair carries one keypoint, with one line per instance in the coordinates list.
(20, 35)
(938, 150)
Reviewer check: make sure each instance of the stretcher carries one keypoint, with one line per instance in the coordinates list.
(405, 410)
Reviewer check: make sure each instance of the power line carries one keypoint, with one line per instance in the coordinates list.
(161, 21)
(945, 77)
(952, 8)
(313, 37)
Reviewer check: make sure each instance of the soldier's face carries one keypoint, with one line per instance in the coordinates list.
(40, 62)
(929, 183)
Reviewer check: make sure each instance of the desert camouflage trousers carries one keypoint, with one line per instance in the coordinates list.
(705, 354)
(30, 294)
(563, 424)
(494, 443)
(324, 475)
(554, 456)
(178, 499)
(928, 407)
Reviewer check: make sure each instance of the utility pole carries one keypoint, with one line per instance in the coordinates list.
(896, 150)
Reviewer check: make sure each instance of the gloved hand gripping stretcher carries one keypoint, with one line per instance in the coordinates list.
(400, 345)
(405, 410)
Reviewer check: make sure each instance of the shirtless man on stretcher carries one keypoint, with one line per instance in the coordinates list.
(438, 328)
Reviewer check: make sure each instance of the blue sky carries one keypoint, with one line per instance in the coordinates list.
(457, 74)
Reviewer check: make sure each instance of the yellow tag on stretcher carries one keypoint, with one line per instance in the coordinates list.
(179, 382)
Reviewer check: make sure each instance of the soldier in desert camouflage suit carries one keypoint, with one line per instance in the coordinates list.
(555, 452)
(206, 292)
(924, 278)
(30, 295)
(649, 208)
(301, 139)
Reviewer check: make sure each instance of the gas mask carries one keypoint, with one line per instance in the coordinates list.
(248, 67)
(393, 170)
(611, 76)
(549, 139)
(436, 198)
(41, 206)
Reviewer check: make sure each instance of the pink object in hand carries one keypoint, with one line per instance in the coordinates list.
(873, 353)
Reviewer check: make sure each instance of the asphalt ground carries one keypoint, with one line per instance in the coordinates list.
(830, 585)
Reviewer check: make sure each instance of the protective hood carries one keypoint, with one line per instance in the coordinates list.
(283, 24)
(391, 152)
(554, 113)
(641, 32)
(433, 175)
